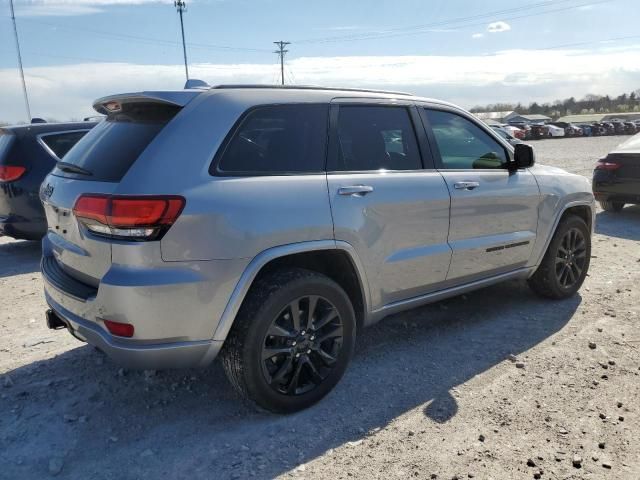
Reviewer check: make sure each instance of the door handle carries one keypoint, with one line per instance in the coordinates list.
(466, 185)
(355, 190)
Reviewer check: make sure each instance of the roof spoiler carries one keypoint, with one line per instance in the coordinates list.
(113, 103)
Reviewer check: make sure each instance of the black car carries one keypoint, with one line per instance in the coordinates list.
(630, 128)
(27, 154)
(618, 126)
(616, 178)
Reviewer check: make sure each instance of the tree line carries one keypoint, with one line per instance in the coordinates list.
(589, 104)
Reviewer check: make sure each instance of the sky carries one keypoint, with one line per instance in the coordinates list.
(468, 52)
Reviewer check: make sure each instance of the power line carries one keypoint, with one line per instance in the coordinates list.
(141, 39)
(287, 68)
(459, 22)
(291, 75)
(281, 51)
(181, 6)
(24, 83)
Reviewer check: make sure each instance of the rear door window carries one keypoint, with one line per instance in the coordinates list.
(112, 146)
(61, 143)
(375, 138)
(277, 140)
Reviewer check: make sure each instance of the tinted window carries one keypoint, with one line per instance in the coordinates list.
(6, 139)
(278, 139)
(61, 143)
(464, 145)
(112, 146)
(376, 138)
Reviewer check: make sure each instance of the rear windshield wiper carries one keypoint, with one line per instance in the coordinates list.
(71, 168)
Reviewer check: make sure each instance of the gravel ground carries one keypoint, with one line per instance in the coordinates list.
(494, 384)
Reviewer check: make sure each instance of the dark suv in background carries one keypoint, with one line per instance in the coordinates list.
(27, 154)
(616, 178)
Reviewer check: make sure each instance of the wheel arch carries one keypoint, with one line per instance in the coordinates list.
(584, 210)
(335, 259)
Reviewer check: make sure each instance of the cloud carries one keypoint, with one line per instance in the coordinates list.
(498, 27)
(65, 92)
(39, 8)
(477, 35)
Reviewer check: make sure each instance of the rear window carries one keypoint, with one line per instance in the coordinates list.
(6, 139)
(61, 143)
(112, 147)
(278, 139)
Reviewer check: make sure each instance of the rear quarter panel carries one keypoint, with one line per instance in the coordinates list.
(225, 217)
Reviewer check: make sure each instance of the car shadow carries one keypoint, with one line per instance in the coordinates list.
(623, 224)
(188, 424)
(18, 257)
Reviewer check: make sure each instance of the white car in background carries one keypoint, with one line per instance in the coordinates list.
(514, 131)
(555, 131)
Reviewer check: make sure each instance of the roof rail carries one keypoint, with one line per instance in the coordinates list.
(308, 87)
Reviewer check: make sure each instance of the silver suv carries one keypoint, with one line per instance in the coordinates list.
(269, 225)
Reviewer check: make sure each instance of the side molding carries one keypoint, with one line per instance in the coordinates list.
(254, 267)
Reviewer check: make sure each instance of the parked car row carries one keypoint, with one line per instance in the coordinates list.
(268, 225)
(538, 131)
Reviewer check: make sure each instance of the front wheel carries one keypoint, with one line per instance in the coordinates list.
(611, 206)
(566, 261)
(291, 341)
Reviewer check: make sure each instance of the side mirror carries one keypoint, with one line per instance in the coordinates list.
(523, 157)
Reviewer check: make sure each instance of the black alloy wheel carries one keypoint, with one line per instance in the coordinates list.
(570, 258)
(302, 345)
(565, 264)
(291, 341)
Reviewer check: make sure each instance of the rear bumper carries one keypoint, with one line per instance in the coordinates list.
(175, 307)
(609, 187)
(22, 229)
(21, 213)
(135, 355)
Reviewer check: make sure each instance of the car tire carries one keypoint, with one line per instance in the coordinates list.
(566, 261)
(266, 323)
(611, 206)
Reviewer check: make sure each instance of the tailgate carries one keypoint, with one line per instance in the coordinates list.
(81, 255)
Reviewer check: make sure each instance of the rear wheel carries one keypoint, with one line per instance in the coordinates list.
(291, 342)
(611, 206)
(566, 262)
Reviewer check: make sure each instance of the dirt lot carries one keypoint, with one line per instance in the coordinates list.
(433, 393)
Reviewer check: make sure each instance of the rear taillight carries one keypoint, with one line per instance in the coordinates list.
(607, 165)
(10, 173)
(131, 218)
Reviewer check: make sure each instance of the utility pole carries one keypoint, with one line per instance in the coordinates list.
(281, 51)
(181, 6)
(24, 83)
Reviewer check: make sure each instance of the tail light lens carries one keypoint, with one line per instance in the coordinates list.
(607, 165)
(119, 329)
(10, 173)
(130, 218)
